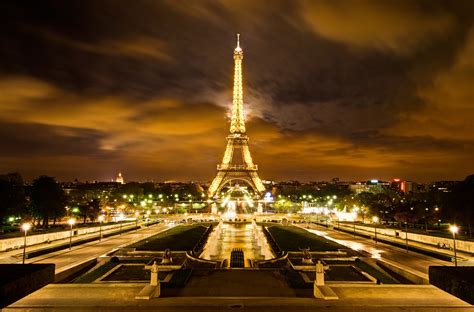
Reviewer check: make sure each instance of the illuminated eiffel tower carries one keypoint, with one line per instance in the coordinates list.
(237, 165)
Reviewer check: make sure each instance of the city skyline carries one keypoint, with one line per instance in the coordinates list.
(145, 90)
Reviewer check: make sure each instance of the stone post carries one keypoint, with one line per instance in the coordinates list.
(319, 280)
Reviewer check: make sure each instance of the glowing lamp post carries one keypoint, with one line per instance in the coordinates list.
(375, 220)
(406, 235)
(136, 219)
(121, 221)
(71, 223)
(101, 219)
(147, 217)
(454, 229)
(25, 227)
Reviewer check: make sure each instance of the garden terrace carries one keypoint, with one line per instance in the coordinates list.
(292, 238)
(180, 238)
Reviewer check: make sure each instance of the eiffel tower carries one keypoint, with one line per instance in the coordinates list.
(237, 164)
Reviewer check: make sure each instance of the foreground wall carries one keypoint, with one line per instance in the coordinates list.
(458, 281)
(19, 280)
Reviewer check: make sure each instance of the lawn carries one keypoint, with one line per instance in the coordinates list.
(292, 238)
(180, 238)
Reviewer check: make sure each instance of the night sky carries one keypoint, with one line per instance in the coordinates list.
(349, 89)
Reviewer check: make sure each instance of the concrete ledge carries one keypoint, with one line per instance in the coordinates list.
(66, 272)
(149, 292)
(19, 280)
(324, 292)
(413, 276)
(458, 281)
(121, 297)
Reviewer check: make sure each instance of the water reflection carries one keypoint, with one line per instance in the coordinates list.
(245, 236)
(374, 252)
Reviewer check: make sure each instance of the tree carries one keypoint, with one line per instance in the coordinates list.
(283, 206)
(47, 199)
(461, 203)
(90, 209)
(12, 196)
(366, 200)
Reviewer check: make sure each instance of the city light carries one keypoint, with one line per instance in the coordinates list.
(230, 213)
(454, 229)
(26, 227)
(101, 218)
(71, 223)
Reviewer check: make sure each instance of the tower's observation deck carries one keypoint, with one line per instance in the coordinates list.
(237, 164)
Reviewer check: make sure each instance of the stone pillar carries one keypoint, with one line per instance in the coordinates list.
(319, 280)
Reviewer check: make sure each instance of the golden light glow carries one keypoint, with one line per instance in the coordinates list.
(26, 226)
(237, 140)
(454, 229)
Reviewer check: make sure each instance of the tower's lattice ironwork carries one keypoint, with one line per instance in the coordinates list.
(237, 164)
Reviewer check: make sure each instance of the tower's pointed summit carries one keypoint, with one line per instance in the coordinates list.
(238, 49)
(237, 124)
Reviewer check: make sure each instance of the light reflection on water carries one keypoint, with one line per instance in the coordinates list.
(374, 252)
(236, 235)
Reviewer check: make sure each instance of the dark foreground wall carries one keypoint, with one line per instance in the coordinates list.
(19, 280)
(458, 281)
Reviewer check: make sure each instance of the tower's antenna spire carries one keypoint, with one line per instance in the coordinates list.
(238, 49)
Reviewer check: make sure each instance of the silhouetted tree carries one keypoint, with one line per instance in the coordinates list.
(90, 209)
(47, 199)
(12, 196)
(460, 203)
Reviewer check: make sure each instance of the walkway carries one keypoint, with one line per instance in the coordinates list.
(65, 259)
(412, 260)
(464, 259)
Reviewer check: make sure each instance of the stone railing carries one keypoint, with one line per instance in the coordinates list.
(461, 245)
(17, 242)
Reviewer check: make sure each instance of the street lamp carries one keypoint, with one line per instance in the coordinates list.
(147, 217)
(136, 220)
(121, 221)
(101, 218)
(375, 220)
(25, 227)
(454, 229)
(406, 235)
(71, 223)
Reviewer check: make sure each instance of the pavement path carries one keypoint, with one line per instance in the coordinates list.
(64, 259)
(15, 255)
(413, 260)
(464, 258)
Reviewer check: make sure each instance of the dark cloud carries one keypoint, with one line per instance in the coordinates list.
(27, 140)
(360, 82)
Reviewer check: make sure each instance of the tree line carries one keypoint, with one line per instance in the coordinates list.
(42, 202)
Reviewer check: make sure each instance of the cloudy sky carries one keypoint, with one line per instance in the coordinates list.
(350, 89)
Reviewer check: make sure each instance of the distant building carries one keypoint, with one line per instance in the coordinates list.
(442, 186)
(404, 186)
(372, 186)
(399, 185)
(119, 178)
